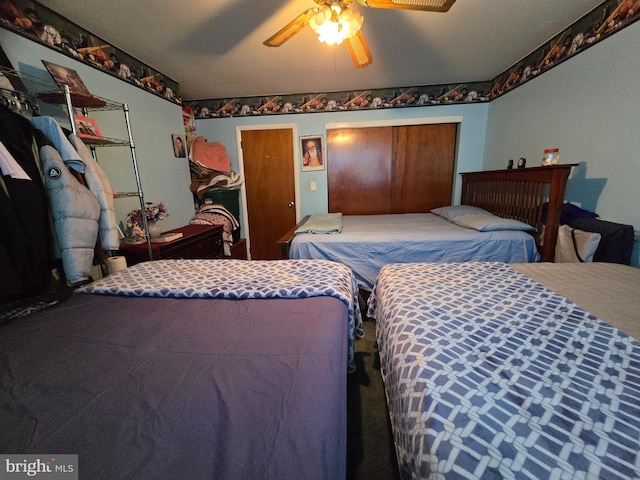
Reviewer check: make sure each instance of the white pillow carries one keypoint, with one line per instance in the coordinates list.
(491, 223)
(452, 211)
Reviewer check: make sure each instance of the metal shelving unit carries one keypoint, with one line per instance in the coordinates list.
(103, 104)
(22, 93)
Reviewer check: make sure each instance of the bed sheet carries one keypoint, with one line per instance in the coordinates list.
(489, 374)
(144, 387)
(367, 242)
(608, 290)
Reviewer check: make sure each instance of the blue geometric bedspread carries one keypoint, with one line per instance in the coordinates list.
(491, 375)
(239, 279)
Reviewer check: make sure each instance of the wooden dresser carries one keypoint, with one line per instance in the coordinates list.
(197, 241)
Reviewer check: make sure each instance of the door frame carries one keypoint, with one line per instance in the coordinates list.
(296, 174)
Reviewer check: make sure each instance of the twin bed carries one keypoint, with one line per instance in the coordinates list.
(510, 371)
(410, 237)
(194, 369)
(500, 367)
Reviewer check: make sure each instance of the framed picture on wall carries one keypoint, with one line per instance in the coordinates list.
(179, 146)
(312, 149)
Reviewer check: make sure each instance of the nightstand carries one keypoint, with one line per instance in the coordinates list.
(197, 241)
(239, 249)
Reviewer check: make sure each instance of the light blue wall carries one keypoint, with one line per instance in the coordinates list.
(469, 150)
(589, 109)
(153, 120)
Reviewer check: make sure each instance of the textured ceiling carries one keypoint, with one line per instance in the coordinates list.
(214, 49)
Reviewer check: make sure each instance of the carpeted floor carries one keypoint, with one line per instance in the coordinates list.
(370, 454)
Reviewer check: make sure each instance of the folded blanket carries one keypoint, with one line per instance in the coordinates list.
(322, 223)
(214, 214)
(211, 155)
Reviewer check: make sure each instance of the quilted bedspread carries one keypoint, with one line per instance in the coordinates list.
(490, 375)
(239, 279)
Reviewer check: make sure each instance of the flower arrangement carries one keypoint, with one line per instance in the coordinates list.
(153, 213)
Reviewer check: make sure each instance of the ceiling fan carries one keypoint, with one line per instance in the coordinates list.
(335, 23)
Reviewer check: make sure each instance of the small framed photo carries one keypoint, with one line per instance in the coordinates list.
(87, 127)
(312, 149)
(179, 146)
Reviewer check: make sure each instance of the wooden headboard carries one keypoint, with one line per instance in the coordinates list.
(520, 194)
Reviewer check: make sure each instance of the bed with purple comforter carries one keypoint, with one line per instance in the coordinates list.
(241, 376)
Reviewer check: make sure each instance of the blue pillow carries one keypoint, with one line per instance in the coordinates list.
(491, 223)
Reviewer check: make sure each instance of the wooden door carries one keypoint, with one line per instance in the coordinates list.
(270, 189)
(399, 169)
(359, 170)
(423, 168)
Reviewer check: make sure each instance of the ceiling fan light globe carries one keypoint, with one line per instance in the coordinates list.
(320, 18)
(334, 41)
(330, 33)
(333, 25)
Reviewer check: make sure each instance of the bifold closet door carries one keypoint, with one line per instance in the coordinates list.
(359, 170)
(424, 156)
(399, 169)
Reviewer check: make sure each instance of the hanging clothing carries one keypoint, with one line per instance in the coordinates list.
(9, 166)
(53, 132)
(75, 213)
(26, 254)
(99, 184)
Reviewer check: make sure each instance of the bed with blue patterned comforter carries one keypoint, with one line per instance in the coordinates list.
(489, 374)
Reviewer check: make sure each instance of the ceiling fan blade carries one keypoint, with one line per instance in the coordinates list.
(422, 5)
(291, 28)
(358, 50)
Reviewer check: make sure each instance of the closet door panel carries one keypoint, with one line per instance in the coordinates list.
(423, 164)
(359, 170)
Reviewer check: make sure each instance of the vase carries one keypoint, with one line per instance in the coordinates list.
(154, 229)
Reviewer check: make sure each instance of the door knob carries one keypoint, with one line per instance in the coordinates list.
(291, 204)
